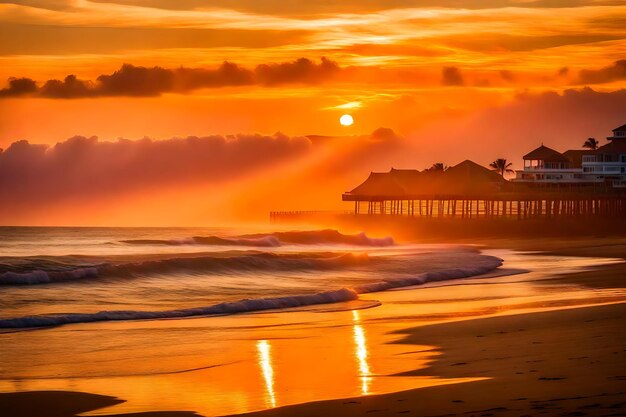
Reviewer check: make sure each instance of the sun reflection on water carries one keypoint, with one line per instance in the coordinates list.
(360, 351)
(265, 362)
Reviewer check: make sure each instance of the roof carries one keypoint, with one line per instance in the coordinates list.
(543, 153)
(379, 183)
(615, 146)
(575, 156)
(470, 170)
(622, 128)
(466, 178)
(470, 178)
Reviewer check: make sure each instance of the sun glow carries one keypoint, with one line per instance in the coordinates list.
(361, 354)
(346, 120)
(265, 361)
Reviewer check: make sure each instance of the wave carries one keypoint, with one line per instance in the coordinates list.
(198, 264)
(242, 306)
(265, 241)
(46, 277)
(488, 264)
(329, 236)
(313, 237)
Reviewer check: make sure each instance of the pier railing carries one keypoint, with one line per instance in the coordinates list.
(277, 216)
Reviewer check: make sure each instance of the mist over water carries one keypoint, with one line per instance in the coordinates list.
(54, 276)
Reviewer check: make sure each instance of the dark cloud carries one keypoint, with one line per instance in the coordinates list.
(19, 87)
(613, 72)
(452, 76)
(68, 88)
(228, 74)
(302, 70)
(136, 81)
(89, 168)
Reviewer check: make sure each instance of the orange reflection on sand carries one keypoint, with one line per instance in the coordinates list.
(265, 362)
(360, 351)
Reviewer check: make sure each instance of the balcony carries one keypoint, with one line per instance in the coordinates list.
(542, 170)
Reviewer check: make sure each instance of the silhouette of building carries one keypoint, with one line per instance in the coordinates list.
(551, 184)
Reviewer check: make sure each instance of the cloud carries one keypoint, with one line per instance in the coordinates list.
(282, 8)
(137, 81)
(300, 71)
(88, 168)
(68, 88)
(452, 76)
(613, 72)
(19, 87)
(228, 74)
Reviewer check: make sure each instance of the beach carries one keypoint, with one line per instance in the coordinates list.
(567, 362)
(541, 335)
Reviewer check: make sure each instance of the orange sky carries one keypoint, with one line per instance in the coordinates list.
(453, 79)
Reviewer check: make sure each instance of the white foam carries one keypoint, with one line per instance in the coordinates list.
(242, 306)
(486, 264)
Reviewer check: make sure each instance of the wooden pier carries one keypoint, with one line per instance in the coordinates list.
(521, 206)
(470, 191)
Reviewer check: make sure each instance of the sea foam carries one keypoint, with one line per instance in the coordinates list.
(194, 264)
(276, 239)
(484, 265)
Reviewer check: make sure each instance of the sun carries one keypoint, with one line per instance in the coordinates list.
(346, 120)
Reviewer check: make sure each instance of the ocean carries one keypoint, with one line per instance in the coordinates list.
(225, 321)
(56, 276)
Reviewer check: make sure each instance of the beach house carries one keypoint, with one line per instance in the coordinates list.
(605, 166)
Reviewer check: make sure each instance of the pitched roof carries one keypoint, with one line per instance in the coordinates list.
(470, 178)
(466, 178)
(470, 170)
(379, 184)
(614, 146)
(622, 128)
(543, 153)
(575, 156)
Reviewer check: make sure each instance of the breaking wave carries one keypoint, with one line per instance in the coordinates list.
(60, 272)
(242, 306)
(313, 237)
(487, 264)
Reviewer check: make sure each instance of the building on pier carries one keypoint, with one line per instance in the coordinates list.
(552, 184)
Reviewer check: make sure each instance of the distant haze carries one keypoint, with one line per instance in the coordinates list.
(152, 112)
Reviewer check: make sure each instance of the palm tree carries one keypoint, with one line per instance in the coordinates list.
(502, 166)
(437, 167)
(591, 143)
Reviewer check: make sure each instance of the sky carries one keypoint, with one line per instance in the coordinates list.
(197, 112)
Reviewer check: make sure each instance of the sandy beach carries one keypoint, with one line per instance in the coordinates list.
(548, 342)
(568, 362)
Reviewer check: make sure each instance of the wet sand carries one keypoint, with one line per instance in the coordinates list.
(566, 362)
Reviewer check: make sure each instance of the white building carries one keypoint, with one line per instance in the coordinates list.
(605, 165)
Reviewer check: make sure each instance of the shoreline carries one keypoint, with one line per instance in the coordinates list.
(457, 353)
(534, 378)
